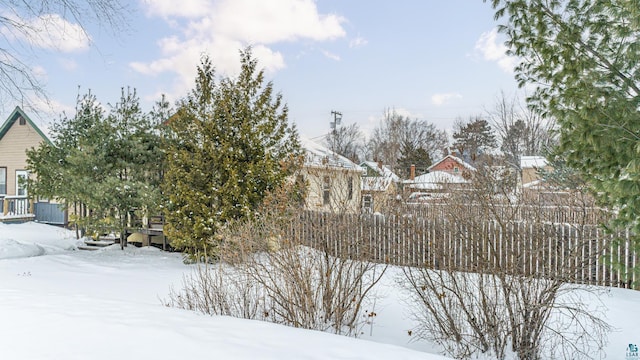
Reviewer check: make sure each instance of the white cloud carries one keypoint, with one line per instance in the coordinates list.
(39, 72)
(358, 42)
(168, 8)
(222, 28)
(271, 21)
(49, 31)
(443, 98)
(330, 55)
(491, 49)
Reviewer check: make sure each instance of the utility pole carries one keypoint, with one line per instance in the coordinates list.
(337, 118)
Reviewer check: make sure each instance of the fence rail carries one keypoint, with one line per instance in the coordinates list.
(574, 253)
(550, 213)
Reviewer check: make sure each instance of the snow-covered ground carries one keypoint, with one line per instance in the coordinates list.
(60, 303)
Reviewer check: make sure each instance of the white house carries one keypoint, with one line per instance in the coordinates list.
(333, 181)
(379, 186)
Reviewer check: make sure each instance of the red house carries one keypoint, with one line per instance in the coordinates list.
(452, 165)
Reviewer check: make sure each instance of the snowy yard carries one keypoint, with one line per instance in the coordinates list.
(60, 303)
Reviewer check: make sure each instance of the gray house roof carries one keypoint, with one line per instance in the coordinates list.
(317, 155)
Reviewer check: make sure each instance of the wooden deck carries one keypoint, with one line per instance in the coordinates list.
(147, 232)
(16, 209)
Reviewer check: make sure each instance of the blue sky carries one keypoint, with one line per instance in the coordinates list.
(429, 59)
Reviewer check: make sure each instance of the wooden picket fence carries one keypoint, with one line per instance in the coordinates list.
(574, 253)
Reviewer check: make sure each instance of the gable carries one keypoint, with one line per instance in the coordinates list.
(449, 162)
(15, 116)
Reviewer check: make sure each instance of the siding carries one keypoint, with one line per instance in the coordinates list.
(339, 189)
(448, 165)
(13, 147)
(532, 174)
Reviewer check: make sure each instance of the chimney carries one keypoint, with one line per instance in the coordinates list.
(412, 172)
(380, 164)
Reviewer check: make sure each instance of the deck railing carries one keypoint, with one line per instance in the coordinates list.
(12, 207)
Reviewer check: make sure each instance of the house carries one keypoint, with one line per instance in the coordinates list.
(530, 166)
(534, 187)
(333, 181)
(449, 174)
(453, 165)
(379, 186)
(18, 134)
(434, 186)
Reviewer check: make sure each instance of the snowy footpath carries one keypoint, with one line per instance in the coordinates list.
(60, 303)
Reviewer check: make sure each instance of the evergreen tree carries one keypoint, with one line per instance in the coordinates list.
(473, 138)
(228, 145)
(67, 169)
(133, 158)
(513, 143)
(104, 165)
(412, 155)
(583, 57)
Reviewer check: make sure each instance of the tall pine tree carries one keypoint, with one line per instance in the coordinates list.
(228, 145)
(582, 57)
(103, 166)
(473, 139)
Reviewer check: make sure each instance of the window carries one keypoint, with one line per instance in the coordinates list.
(456, 169)
(21, 182)
(326, 190)
(367, 203)
(3, 181)
(350, 188)
(22, 120)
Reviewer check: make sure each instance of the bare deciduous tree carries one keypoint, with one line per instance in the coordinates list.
(346, 141)
(396, 132)
(26, 25)
(520, 130)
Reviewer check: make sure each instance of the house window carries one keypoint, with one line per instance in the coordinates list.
(326, 190)
(456, 169)
(21, 182)
(367, 203)
(22, 120)
(3, 181)
(350, 188)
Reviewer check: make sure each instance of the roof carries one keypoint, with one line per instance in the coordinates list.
(383, 171)
(434, 180)
(380, 182)
(530, 162)
(454, 158)
(319, 156)
(375, 183)
(15, 115)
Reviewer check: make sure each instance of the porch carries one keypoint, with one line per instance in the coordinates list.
(16, 209)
